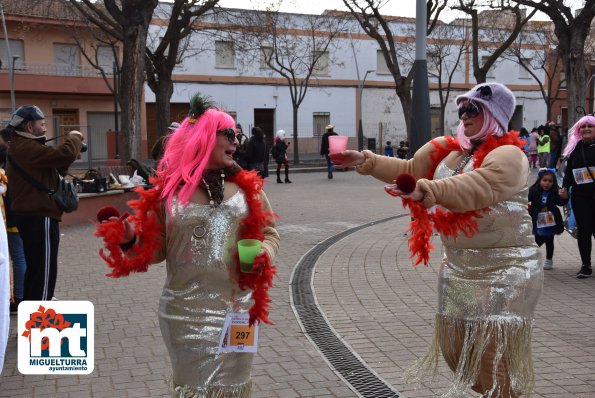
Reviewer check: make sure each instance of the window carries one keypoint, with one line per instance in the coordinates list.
(381, 67)
(321, 67)
(16, 49)
(265, 56)
(105, 58)
(523, 73)
(490, 73)
(225, 56)
(321, 120)
(67, 59)
(562, 77)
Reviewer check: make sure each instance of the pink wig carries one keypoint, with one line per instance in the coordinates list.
(187, 152)
(574, 134)
(490, 126)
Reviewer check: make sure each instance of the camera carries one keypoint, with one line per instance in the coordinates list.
(84, 148)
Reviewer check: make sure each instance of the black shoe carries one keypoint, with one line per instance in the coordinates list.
(287, 181)
(585, 272)
(330, 176)
(279, 181)
(14, 307)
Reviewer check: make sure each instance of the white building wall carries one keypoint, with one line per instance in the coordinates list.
(337, 93)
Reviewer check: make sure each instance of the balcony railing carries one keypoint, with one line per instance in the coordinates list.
(55, 70)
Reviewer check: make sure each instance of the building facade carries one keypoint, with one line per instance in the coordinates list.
(349, 80)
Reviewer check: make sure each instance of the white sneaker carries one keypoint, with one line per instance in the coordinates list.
(548, 264)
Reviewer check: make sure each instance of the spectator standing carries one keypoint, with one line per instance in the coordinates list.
(388, 150)
(402, 150)
(533, 137)
(524, 135)
(555, 145)
(543, 146)
(324, 149)
(159, 146)
(279, 153)
(15, 243)
(37, 214)
(256, 152)
(4, 293)
(580, 176)
(240, 154)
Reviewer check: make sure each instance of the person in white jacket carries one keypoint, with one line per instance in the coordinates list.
(4, 291)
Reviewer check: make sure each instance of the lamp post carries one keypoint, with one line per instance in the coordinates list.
(360, 130)
(420, 101)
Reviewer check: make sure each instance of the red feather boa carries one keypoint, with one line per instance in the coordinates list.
(446, 222)
(147, 229)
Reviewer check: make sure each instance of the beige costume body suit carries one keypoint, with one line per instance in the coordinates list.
(489, 284)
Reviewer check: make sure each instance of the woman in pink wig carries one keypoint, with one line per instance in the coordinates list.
(473, 190)
(201, 205)
(580, 176)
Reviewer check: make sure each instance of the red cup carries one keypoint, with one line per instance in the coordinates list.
(337, 143)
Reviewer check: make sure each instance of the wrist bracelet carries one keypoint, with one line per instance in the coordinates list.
(128, 245)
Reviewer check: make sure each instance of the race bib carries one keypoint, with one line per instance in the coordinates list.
(582, 175)
(237, 334)
(545, 219)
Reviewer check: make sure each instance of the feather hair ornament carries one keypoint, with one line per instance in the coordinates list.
(198, 105)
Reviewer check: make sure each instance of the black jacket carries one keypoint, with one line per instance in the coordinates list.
(280, 151)
(256, 151)
(43, 163)
(324, 142)
(553, 201)
(577, 160)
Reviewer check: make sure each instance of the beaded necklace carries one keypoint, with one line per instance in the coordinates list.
(462, 164)
(200, 230)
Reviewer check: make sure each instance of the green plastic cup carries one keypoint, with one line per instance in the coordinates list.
(248, 249)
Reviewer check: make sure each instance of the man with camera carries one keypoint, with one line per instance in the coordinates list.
(33, 169)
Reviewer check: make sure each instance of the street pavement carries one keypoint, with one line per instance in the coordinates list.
(365, 284)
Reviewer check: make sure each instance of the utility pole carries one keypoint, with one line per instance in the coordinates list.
(420, 104)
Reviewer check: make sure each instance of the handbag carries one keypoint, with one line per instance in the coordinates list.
(65, 195)
(569, 219)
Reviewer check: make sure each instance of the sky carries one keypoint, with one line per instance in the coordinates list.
(401, 8)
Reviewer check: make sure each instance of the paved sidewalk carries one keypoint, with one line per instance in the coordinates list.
(379, 303)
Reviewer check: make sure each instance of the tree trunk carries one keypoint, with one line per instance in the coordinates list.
(163, 93)
(405, 98)
(575, 78)
(296, 152)
(131, 90)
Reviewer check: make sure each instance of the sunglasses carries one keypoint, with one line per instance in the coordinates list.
(230, 134)
(470, 109)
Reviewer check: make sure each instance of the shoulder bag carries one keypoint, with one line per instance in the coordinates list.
(65, 195)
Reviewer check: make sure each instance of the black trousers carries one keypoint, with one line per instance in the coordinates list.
(41, 238)
(549, 245)
(584, 212)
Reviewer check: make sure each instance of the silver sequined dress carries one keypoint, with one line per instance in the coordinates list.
(197, 295)
(489, 286)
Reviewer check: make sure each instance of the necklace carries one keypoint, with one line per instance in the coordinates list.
(200, 230)
(462, 164)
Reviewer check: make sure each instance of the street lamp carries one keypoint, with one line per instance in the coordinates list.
(11, 78)
(360, 131)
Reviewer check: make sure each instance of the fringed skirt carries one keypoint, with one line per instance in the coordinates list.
(487, 298)
(213, 391)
